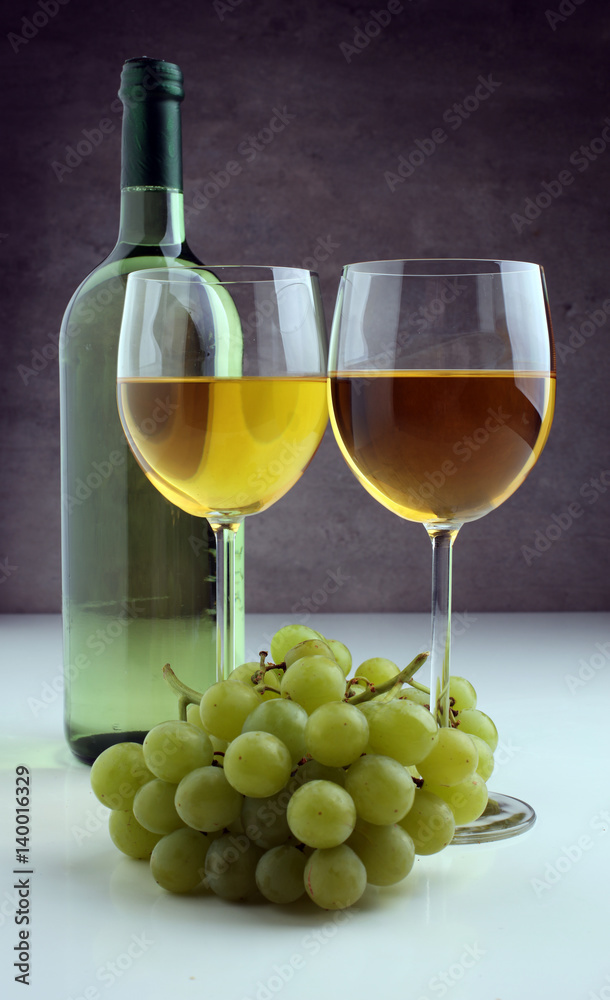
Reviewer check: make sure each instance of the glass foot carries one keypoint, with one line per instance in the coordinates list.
(504, 817)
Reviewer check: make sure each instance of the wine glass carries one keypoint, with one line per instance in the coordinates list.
(221, 388)
(441, 395)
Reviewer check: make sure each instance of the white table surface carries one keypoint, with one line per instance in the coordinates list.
(522, 919)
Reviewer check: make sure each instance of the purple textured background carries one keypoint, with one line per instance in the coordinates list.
(319, 189)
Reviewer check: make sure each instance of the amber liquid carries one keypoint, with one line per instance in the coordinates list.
(223, 446)
(441, 447)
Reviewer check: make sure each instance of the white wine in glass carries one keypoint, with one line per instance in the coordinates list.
(442, 389)
(221, 389)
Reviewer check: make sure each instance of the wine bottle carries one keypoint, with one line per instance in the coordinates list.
(138, 574)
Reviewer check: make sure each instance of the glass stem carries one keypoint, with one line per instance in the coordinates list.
(442, 550)
(225, 598)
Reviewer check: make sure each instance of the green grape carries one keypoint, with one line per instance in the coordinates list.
(129, 836)
(257, 764)
(236, 826)
(225, 707)
(219, 746)
(264, 821)
(429, 823)
(453, 758)
(387, 852)
(287, 637)
(193, 715)
(369, 707)
(310, 647)
(154, 808)
(467, 800)
(117, 774)
(336, 734)
(311, 770)
(279, 874)
(177, 861)
(416, 696)
(462, 692)
(244, 672)
(486, 758)
(206, 801)
(321, 814)
(335, 877)
(230, 867)
(341, 654)
(402, 730)
(377, 670)
(476, 723)
(284, 719)
(382, 789)
(174, 748)
(312, 681)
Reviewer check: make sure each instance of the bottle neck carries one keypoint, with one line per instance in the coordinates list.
(151, 216)
(152, 211)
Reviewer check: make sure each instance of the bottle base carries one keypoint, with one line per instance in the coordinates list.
(88, 748)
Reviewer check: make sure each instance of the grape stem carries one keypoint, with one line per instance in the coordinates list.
(187, 695)
(261, 688)
(419, 687)
(402, 678)
(369, 686)
(269, 666)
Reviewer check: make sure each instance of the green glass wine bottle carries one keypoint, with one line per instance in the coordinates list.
(138, 574)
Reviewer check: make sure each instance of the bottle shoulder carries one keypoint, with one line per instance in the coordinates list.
(104, 286)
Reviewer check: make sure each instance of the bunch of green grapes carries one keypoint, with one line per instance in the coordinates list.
(290, 779)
